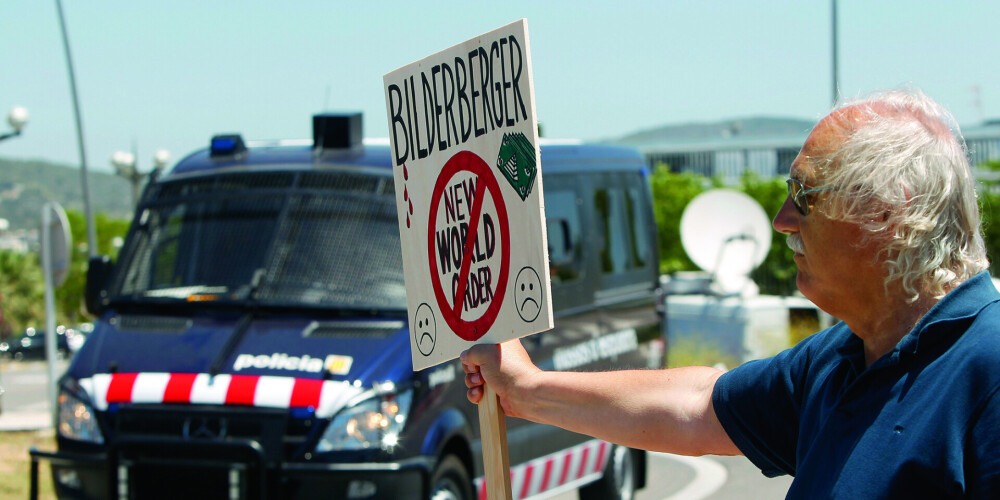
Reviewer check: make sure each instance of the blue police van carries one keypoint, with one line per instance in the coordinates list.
(252, 338)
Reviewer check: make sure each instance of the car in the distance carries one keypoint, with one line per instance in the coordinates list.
(31, 345)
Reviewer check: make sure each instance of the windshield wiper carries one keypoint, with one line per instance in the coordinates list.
(244, 324)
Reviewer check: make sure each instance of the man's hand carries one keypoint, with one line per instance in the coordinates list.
(505, 367)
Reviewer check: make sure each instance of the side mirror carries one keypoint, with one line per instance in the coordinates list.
(98, 272)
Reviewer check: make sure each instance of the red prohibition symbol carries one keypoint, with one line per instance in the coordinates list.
(471, 329)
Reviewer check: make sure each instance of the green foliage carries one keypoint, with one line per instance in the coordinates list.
(69, 296)
(776, 275)
(993, 165)
(671, 193)
(23, 292)
(989, 208)
(22, 283)
(26, 185)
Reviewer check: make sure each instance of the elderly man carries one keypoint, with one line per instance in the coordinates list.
(897, 401)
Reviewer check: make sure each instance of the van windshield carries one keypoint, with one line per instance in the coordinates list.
(294, 239)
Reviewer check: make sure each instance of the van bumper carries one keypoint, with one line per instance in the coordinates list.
(101, 476)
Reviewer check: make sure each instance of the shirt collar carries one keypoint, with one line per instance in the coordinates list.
(962, 303)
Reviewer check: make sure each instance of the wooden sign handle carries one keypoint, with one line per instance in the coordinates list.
(493, 430)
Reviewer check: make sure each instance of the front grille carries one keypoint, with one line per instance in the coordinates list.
(150, 468)
(164, 481)
(280, 437)
(199, 451)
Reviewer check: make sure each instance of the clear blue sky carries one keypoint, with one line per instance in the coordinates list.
(171, 74)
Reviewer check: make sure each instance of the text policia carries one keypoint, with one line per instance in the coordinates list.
(475, 95)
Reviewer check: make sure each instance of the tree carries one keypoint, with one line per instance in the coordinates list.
(23, 286)
(69, 296)
(989, 209)
(23, 292)
(671, 193)
(776, 275)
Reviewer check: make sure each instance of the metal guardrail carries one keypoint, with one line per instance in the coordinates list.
(54, 458)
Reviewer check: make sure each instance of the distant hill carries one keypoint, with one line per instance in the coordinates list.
(752, 128)
(26, 185)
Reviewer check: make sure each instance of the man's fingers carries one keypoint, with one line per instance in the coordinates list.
(475, 394)
(481, 354)
(473, 359)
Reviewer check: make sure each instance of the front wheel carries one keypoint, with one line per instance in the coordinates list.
(450, 481)
(618, 482)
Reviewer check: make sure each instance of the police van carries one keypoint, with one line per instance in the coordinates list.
(252, 338)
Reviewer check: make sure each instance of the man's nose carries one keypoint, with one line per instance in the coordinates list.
(787, 219)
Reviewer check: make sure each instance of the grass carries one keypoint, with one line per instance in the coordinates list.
(15, 464)
(802, 325)
(690, 352)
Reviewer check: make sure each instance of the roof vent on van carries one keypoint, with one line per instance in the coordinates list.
(336, 130)
(353, 329)
(152, 324)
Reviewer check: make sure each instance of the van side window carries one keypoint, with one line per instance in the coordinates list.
(637, 224)
(624, 223)
(610, 215)
(563, 228)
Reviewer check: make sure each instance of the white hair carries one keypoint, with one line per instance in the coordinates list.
(902, 172)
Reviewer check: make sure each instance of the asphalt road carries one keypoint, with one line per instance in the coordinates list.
(673, 477)
(26, 384)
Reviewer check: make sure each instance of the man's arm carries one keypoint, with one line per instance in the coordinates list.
(657, 410)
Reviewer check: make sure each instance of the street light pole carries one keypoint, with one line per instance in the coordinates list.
(17, 118)
(833, 30)
(124, 163)
(126, 166)
(88, 212)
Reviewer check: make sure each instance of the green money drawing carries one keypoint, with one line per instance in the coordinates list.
(516, 161)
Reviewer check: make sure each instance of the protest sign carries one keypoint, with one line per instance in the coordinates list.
(464, 140)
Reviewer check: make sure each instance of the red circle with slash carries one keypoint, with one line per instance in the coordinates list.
(471, 329)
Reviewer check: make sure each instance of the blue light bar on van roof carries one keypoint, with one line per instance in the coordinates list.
(227, 145)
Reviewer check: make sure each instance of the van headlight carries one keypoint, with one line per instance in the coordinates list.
(373, 422)
(77, 419)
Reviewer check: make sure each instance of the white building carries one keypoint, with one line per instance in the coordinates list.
(763, 145)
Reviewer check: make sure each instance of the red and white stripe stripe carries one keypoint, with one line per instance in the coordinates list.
(325, 396)
(564, 469)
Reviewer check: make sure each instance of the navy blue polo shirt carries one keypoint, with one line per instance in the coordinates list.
(923, 421)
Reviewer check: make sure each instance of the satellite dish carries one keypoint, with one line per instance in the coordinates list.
(727, 234)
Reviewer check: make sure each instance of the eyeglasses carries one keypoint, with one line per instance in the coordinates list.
(797, 192)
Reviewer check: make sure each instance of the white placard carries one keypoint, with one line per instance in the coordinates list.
(464, 142)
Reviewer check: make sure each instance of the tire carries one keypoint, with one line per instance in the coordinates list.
(450, 481)
(619, 478)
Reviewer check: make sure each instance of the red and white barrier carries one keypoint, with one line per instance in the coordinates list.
(562, 470)
(325, 396)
